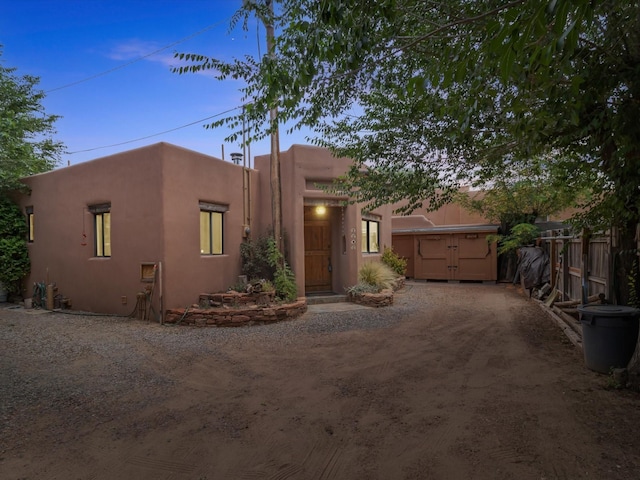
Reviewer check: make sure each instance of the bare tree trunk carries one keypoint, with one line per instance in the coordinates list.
(276, 189)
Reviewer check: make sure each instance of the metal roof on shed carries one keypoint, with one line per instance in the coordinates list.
(446, 229)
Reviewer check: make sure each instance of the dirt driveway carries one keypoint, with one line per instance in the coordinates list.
(452, 382)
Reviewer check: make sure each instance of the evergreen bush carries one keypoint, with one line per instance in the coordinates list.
(14, 256)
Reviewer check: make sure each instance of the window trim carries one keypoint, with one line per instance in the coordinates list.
(213, 210)
(30, 223)
(366, 233)
(99, 243)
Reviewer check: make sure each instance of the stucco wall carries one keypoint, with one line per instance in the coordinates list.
(132, 183)
(154, 194)
(300, 167)
(191, 177)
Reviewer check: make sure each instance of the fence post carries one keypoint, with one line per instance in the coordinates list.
(565, 269)
(584, 265)
(552, 261)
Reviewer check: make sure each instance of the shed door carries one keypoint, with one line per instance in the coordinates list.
(433, 260)
(474, 257)
(317, 256)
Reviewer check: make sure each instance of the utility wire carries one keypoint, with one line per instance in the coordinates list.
(156, 134)
(135, 60)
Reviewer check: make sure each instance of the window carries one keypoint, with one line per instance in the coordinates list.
(29, 212)
(370, 236)
(102, 222)
(211, 228)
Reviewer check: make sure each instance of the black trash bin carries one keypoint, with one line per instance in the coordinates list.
(609, 335)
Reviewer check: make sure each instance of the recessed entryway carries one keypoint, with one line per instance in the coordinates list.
(317, 249)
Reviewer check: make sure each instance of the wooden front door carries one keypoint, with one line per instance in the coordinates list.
(317, 255)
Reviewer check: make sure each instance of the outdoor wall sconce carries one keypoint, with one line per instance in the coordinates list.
(321, 210)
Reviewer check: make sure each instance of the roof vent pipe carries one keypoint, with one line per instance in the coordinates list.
(236, 158)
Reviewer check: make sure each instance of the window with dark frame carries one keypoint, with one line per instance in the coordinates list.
(102, 229)
(370, 236)
(212, 228)
(29, 213)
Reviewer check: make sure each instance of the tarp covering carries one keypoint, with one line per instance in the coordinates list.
(533, 267)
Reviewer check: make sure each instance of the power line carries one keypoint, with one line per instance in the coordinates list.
(155, 134)
(135, 60)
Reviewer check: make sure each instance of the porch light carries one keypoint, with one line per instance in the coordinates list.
(321, 210)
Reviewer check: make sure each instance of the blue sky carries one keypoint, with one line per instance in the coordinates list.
(69, 41)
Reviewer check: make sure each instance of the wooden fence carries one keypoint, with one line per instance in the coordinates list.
(576, 262)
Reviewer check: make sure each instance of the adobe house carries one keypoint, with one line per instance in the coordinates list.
(328, 239)
(104, 230)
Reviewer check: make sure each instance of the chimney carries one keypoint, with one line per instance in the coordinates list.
(236, 158)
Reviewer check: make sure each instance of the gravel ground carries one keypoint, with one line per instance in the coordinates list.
(452, 381)
(54, 344)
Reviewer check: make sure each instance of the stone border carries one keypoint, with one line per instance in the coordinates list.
(236, 317)
(382, 299)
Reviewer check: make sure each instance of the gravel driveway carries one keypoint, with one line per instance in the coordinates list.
(453, 381)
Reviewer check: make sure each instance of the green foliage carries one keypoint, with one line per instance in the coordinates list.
(255, 257)
(285, 283)
(393, 261)
(14, 256)
(284, 280)
(267, 286)
(26, 144)
(451, 93)
(520, 235)
(360, 288)
(378, 275)
(537, 189)
(261, 260)
(454, 93)
(239, 286)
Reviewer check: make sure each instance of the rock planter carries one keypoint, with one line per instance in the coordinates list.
(235, 299)
(382, 299)
(235, 310)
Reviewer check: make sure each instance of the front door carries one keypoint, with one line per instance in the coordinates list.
(317, 255)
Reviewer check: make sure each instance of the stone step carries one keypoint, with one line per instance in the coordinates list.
(323, 299)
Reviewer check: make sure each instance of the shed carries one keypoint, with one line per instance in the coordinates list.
(451, 252)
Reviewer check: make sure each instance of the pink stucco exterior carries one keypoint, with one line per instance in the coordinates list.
(154, 193)
(302, 168)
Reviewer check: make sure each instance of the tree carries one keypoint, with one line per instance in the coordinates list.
(26, 143)
(525, 195)
(14, 257)
(26, 148)
(431, 95)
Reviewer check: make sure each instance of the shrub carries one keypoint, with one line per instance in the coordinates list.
(261, 260)
(377, 274)
(285, 283)
(520, 235)
(239, 287)
(393, 261)
(255, 258)
(284, 280)
(361, 288)
(14, 256)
